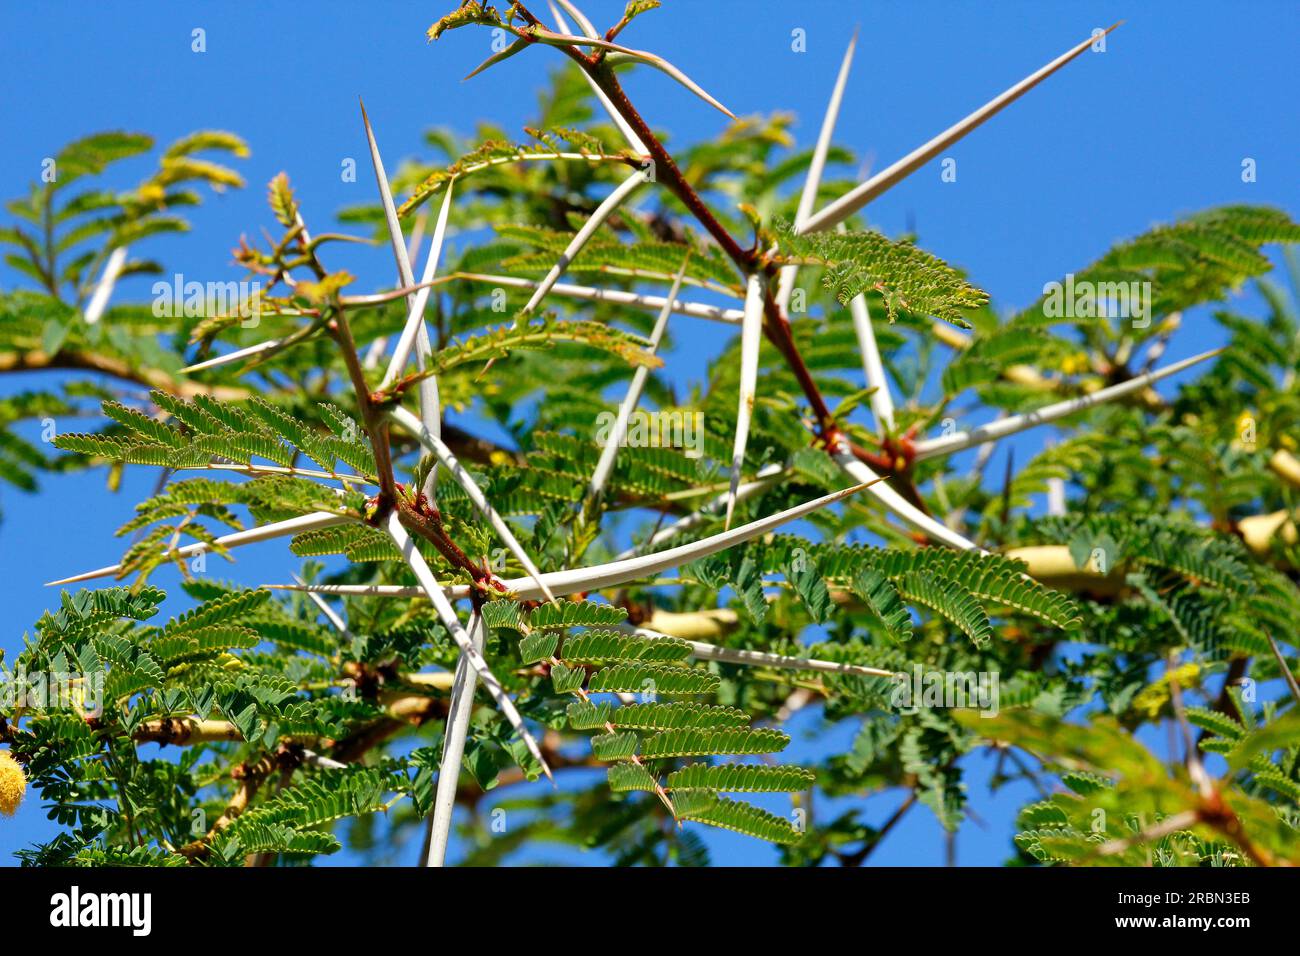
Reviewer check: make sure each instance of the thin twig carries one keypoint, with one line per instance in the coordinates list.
(1282, 666)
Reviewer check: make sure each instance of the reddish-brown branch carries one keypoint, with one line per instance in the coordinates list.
(418, 517)
(373, 421)
(375, 424)
(777, 328)
(427, 523)
(665, 169)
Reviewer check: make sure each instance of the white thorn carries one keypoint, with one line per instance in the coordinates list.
(379, 298)
(1056, 497)
(873, 368)
(950, 444)
(629, 134)
(808, 199)
(374, 352)
(415, 319)
(430, 408)
(702, 651)
(619, 53)
(235, 356)
(613, 441)
(882, 404)
(277, 529)
(584, 24)
(603, 211)
(272, 345)
(104, 290)
(766, 477)
(331, 615)
(325, 763)
(659, 63)
(900, 506)
(417, 236)
(851, 202)
(430, 588)
(812, 182)
(751, 337)
(617, 296)
(395, 236)
(616, 572)
(459, 711)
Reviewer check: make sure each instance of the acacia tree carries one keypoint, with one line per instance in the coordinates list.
(826, 549)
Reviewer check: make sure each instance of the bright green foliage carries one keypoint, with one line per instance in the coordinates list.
(205, 428)
(671, 730)
(706, 807)
(494, 153)
(1118, 792)
(906, 277)
(959, 587)
(58, 257)
(643, 259)
(740, 778)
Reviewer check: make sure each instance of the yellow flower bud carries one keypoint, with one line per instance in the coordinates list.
(13, 784)
(152, 193)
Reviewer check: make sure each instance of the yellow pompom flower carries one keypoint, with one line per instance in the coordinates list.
(1074, 364)
(13, 784)
(1152, 698)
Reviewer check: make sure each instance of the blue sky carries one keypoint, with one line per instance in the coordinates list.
(1156, 126)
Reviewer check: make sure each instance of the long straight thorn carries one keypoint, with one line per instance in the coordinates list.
(751, 336)
(447, 614)
(854, 200)
(430, 404)
(277, 529)
(605, 466)
(580, 238)
(615, 573)
(1001, 428)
